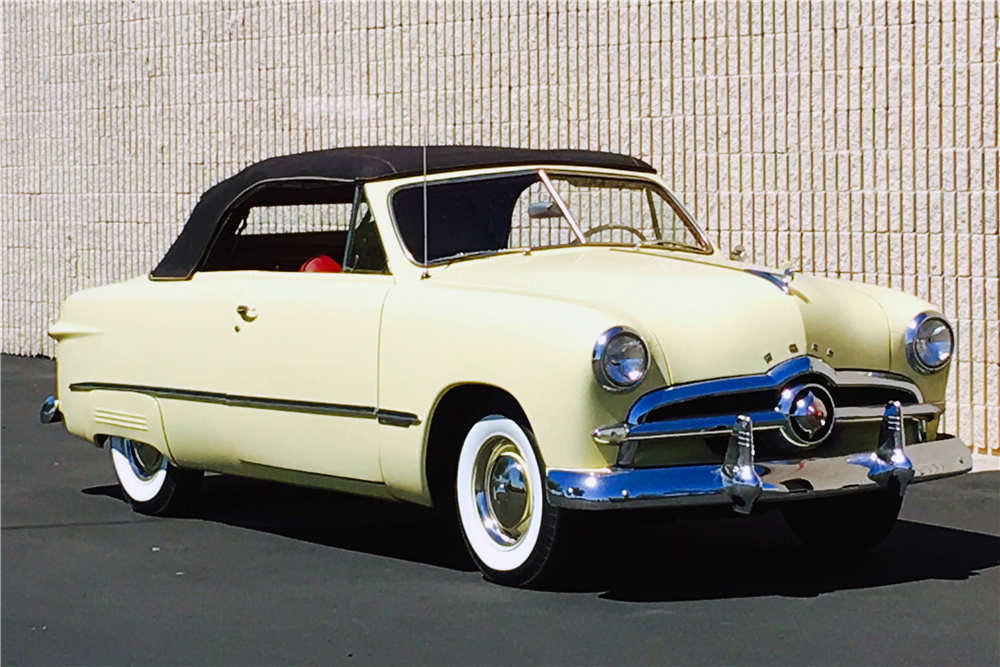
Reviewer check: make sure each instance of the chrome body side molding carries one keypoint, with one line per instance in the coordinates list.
(388, 417)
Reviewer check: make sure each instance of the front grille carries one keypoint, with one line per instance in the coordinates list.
(845, 396)
(851, 397)
(707, 406)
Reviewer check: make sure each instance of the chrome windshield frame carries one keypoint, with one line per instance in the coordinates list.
(672, 201)
(558, 172)
(547, 182)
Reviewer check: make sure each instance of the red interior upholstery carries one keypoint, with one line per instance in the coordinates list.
(320, 264)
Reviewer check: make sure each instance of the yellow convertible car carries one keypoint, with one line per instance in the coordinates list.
(514, 335)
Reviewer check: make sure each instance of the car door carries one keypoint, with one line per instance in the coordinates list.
(304, 388)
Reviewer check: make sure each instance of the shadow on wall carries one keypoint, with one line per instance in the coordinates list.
(648, 562)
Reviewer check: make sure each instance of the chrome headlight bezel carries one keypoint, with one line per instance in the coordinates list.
(911, 341)
(600, 362)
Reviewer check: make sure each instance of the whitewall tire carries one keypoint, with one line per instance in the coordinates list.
(150, 482)
(506, 520)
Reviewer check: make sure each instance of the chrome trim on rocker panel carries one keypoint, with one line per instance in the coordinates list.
(388, 417)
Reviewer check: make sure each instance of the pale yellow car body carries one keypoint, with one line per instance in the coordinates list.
(524, 322)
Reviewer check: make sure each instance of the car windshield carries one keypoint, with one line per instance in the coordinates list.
(534, 210)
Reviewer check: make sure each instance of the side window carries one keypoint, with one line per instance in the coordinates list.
(300, 219)
(313, 237)
(287, 237)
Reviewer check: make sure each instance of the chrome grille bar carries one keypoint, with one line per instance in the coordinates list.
(636, 427)
(774, 379)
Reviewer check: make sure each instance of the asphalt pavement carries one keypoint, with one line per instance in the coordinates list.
(268, 574)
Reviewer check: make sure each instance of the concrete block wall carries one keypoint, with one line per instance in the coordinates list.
(857, 137)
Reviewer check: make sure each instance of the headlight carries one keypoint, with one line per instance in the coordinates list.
(929, 342)
(620, 359)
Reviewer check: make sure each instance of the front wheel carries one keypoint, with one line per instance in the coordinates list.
(151, 483)
(507, 522)
(845, 524)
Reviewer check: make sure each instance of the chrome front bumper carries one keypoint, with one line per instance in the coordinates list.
(740, 481)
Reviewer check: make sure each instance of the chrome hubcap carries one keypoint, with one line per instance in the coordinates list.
(146, 461)
(809, 413)
(502, 490)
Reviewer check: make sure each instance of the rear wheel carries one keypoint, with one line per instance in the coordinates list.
(151, 483)
(845, 524)
(507, 522)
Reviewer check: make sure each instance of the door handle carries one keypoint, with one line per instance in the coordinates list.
(248, 313)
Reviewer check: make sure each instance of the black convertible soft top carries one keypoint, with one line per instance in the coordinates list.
(332, 175)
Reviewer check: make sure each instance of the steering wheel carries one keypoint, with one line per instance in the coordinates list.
(625, 228)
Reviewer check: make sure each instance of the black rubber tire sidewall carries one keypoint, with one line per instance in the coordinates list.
(178, 497)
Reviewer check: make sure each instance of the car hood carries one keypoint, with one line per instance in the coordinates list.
(709, 318)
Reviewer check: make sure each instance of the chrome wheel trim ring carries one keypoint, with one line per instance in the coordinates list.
(501, 487)
(490, 554)
(138, 483)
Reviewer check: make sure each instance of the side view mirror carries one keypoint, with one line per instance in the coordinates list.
(739, 254)
(543, 209)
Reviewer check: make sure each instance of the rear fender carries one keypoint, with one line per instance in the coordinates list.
(95, 414)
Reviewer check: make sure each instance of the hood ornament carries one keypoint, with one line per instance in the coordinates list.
(788, 271)
(782, 279)
(787, 275)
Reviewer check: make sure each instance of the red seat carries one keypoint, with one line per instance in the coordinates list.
(320, 264)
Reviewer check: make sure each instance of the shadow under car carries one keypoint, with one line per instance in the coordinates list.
(656, 559)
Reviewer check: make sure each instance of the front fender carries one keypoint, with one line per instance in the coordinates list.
(900, 308)
(538, 349)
